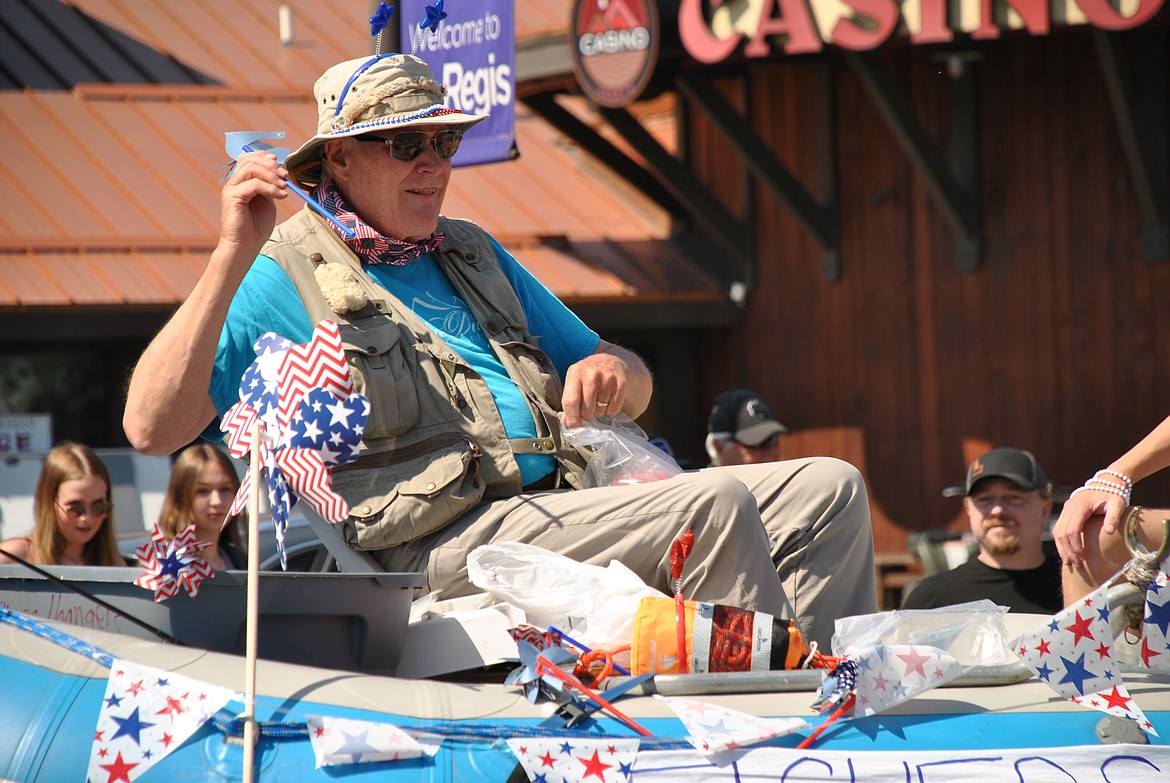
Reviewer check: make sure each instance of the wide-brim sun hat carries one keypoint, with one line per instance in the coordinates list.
(369, 94)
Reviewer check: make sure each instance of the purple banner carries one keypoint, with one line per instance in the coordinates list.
(473, 53)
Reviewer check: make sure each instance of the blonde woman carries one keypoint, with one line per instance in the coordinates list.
(202, 487)
(74, 513)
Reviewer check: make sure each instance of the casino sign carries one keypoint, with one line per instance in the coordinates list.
(623, 50)
(614, 47)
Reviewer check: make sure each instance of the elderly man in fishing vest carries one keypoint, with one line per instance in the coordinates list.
(468, 362)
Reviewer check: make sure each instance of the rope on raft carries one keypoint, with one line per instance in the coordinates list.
(231, 725)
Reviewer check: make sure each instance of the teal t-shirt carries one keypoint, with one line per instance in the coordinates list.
(267, 301)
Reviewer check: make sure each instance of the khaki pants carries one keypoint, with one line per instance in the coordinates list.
(790, 538)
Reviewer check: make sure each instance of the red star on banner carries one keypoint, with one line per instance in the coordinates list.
(1147, 653)
(1115, 699)
(594, 766)
(119, 770)
(174, 706)
(914, 661)
(547, 760)
(1080, 629)
(1103, 651)
(1042, 647)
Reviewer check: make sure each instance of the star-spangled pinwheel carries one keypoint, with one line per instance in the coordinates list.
(169, 565)
(531, 675)
(310, 420)
(1073, 654)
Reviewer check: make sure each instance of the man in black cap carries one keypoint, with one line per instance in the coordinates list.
(742, 430)
(1008, 501)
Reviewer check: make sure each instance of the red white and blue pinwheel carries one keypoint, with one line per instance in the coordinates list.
(169, 565)
(310, 421)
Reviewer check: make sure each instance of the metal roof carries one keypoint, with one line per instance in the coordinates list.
(112, 115)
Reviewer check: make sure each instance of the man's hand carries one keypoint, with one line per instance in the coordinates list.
(612, 380)
(247, 212)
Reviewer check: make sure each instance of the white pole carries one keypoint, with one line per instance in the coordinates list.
(253, 609)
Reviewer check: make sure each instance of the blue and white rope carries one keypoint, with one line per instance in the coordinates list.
(232, 725)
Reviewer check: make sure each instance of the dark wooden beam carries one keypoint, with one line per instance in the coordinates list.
(684, 186)
(758, 157)
(1139, 109)
(546, 105)
(958, 207)
(965, 162)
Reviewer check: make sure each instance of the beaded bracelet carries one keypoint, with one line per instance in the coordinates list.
(1091, 485)
(1097, 482)
(1106, 472)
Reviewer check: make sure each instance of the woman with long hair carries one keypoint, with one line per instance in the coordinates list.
(202, 487)
(73, 512)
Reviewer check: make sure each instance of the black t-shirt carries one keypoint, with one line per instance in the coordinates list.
(1035, 590)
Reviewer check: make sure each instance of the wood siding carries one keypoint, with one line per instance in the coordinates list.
(1058, 343)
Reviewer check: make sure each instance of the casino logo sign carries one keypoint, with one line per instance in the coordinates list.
(614, 48)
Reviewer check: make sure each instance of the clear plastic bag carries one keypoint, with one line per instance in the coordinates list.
(974, 633)
(622, 454)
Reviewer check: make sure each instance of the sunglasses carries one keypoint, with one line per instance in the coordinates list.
(76, 509)
(408, 145)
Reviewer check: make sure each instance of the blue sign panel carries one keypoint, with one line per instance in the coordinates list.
(473, 53)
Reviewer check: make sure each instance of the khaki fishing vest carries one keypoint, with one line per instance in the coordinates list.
(434, 445)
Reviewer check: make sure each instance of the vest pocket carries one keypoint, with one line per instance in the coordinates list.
(380, 370)
(537, 370)
(397, 502)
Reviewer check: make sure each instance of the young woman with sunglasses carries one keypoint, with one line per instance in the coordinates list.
(73, 511)
(202, 487)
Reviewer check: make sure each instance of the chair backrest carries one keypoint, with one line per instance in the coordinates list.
(349, 561)
(941, 550)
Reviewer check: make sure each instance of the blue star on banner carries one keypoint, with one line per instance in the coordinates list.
(1073, 655)
(147, 713)
(310, 420)
(606, 760)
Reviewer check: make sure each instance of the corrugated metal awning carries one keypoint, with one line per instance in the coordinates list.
(112, 188)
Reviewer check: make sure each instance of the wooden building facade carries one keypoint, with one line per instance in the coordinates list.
(945, 248)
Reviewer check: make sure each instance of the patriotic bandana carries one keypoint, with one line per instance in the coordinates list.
(369, 245)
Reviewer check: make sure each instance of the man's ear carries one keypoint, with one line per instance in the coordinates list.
(337, 157)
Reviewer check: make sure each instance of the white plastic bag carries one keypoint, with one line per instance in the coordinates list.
(592, 604)
(622, 454)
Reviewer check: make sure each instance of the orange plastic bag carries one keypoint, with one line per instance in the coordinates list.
(718, 638)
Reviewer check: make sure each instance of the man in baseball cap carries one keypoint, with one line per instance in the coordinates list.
(742, 430)
(1008, 501)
